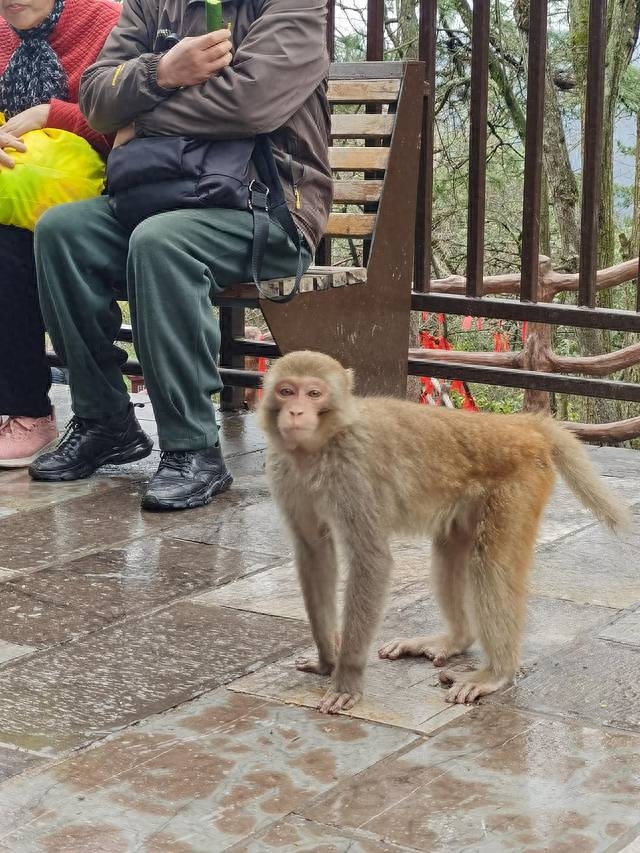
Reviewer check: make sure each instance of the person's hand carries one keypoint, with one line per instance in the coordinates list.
(35, 118)
(124, 135)
(194, 59)
(8, 140)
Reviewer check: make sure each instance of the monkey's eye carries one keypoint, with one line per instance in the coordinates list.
(286, 391)
(315, 393)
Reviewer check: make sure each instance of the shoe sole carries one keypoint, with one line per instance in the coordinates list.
(25, 461)
(131, 453)
(154, 504)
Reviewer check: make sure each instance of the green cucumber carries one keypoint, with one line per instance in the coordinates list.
(213, 12)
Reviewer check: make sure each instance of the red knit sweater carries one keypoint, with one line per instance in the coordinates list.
(77, 39)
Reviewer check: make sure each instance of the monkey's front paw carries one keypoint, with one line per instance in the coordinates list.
(318, 667)
(467, 687)
(334, 701)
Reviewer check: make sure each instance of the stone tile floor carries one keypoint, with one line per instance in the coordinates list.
(148, 700)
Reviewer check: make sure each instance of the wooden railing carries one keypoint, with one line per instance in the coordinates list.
(537, 368)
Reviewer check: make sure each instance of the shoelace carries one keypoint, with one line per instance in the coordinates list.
(176, 460)
(72, 434)
(9, 426)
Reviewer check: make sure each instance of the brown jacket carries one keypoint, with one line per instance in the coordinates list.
(276, 84)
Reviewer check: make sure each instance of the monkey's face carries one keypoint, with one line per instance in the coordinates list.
(307, 401)
(301, 402)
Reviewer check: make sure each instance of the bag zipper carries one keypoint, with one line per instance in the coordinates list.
(295, 183)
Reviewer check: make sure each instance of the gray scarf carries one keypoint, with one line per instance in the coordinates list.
(34, 74)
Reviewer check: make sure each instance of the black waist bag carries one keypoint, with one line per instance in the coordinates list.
(157, 174)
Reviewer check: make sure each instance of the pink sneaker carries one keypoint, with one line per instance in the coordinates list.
(23, 439)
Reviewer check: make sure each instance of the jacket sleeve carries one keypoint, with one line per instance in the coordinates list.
(121, 83)
(279, 63)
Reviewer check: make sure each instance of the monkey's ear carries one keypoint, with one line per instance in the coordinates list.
(351, 378)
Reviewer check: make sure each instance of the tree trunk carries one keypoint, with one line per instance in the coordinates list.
(622, 26)
(623, 17)
(630, 250)
(561, 179)
(537, 348)
(635, 228)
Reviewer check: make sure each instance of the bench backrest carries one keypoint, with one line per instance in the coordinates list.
(375, 158)
(363, 99)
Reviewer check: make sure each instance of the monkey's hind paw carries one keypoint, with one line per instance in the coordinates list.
(438, 648)
(399, 647)
(467, 687)
(317, 667)
(333, 701)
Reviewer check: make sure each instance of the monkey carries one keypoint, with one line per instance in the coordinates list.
(347, 472)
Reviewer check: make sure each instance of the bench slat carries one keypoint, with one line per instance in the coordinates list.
(316, 278)
(356, 192)
(363, 91)
(361, 125)
(367, 70)
(351, 225)
(354, 158)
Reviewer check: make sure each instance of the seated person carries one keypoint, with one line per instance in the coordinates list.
(270, 80)
(45, 45)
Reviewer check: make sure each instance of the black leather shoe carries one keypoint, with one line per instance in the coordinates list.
(88, 444)
(186, 479)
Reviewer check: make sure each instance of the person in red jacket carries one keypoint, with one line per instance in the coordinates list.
(45, 45)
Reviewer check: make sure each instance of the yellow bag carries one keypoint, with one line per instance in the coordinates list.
(57, 167)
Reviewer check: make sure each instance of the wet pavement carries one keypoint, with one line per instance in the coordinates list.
(149, 702)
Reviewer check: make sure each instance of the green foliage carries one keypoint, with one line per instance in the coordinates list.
(350, 47)
(491, 398)
(630, 90)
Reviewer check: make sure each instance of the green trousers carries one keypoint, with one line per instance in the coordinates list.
(168, 269)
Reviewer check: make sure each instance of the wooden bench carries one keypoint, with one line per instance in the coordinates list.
(359, 315)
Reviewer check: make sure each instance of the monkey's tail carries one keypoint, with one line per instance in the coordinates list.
(573, 463)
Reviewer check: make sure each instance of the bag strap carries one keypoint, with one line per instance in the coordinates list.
(266, 200)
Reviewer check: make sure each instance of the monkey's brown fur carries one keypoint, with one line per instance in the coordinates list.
(351, 471)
